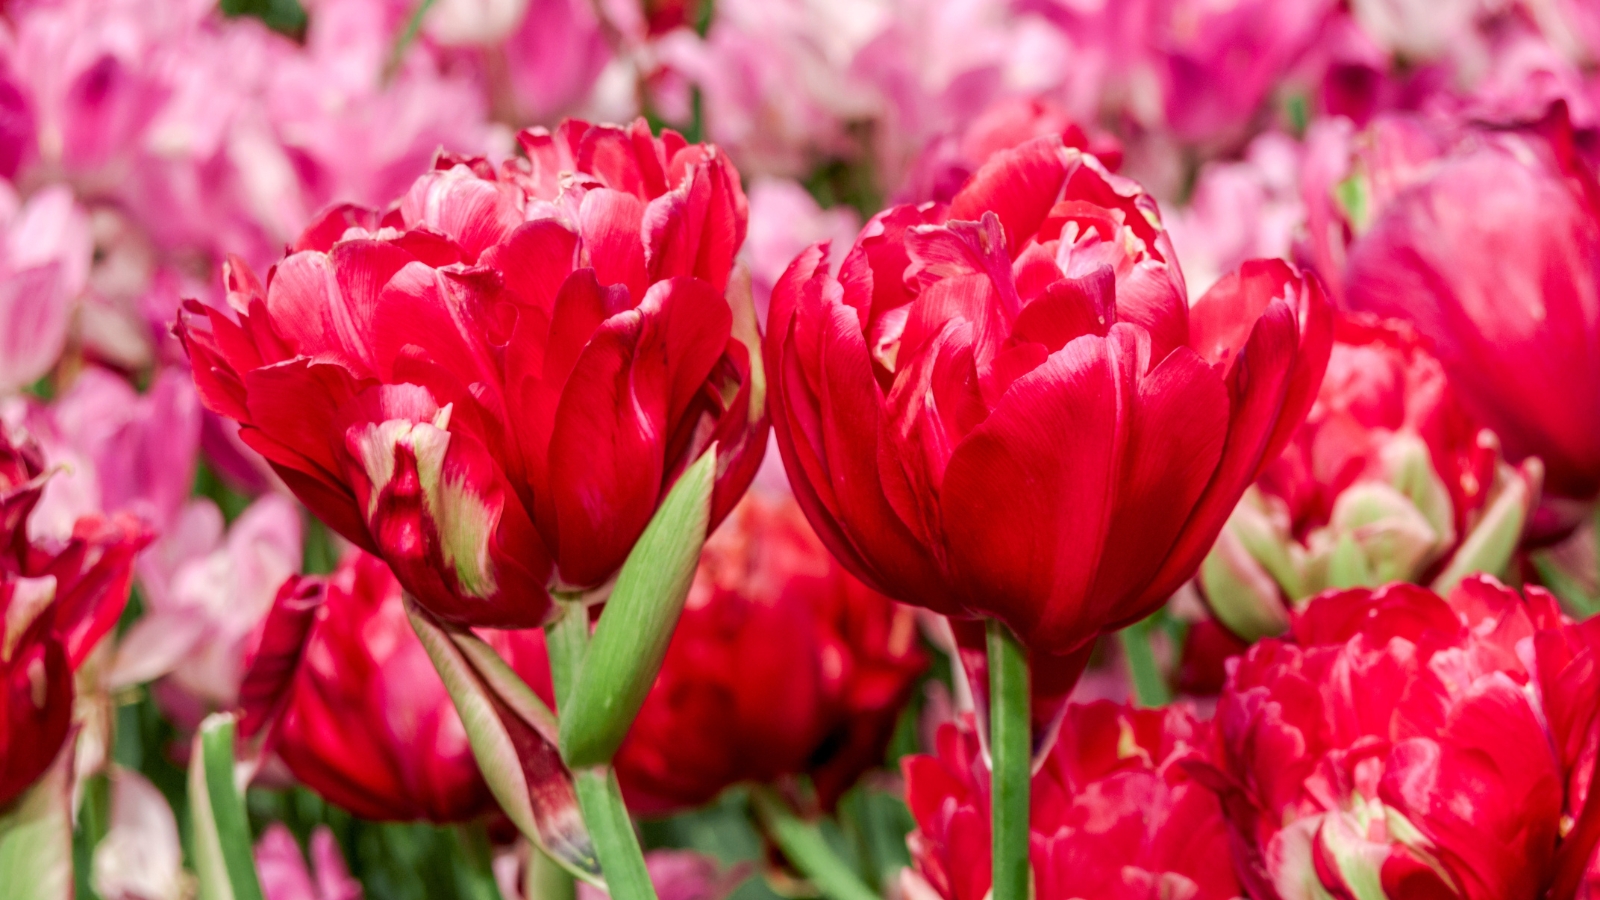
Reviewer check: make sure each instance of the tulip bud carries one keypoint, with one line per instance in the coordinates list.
(1387, 480)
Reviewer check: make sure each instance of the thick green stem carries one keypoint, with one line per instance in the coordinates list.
(222, 824)
(803, 845)
(545, 879)
(621, 857)
(1011, 754)
(567, 639)
(1149, 687)
(477, 876)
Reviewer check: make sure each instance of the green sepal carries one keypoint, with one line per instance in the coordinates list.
(36, 837)
(631, 638)
(522, 767)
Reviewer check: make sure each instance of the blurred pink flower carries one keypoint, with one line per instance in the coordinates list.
(785, 219)
(285, 875)
(141, 856)
(1240, 210)
(44, 263)
(548, 65)
(119, 450)
(206, 593)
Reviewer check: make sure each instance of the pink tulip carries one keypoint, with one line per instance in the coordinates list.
(44, 265)
(285, 875)
(206, 594)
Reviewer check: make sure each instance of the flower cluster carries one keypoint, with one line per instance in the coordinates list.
(933, 449)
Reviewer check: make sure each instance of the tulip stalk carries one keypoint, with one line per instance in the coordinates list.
(1011, 754)
(224, 857)
(803, 845)
(1149, 688)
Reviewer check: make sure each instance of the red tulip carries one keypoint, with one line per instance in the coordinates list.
(1413, 741)
(1489, 242)
(1114, 815)
(1387, 480)
(493, 384)
(366, 721)
(1005, 407)
(56, 603)
(782, 663)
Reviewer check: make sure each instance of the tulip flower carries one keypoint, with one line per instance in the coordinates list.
(44, 263)
(1389, 479)
(781, 663)
(1489, 243)
(57, 600)
(366, 722)
(1115, 814)
(1006, 409)
(493, 386)
(1420, 745)
(948, 407)
(141, 855)
(285, 875)
(206, 595)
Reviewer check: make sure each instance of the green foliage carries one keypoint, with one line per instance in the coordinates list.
(285, 16)
(208, 484)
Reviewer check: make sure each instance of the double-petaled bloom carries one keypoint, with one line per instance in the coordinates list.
(57, 600)
(1489, 243)
(365, 720)
(781, 664)
(1114, 813)
(492, 384)
(1388, 479)
(1417, 746)
(1006, 406)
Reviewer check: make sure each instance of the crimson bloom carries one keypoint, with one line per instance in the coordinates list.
(1114, 814)
(1005, 406)
(1489, 242)
(366, 722)
(492, 384)
(56, 603)
(1421, 743)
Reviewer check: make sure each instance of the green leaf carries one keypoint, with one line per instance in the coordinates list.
(512, 739)
(36, 838)
(223, 854)
(804, 846)
(631, 638)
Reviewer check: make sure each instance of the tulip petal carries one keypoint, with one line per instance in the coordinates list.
(627, 390)
(610, 222)
(1027, 496)
(1018, 185)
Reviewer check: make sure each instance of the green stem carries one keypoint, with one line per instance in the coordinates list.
(621, 857)
(546, 879)
(803, 845)
(477, 875)
(226, 808)
(567, 640)
(1010, 749)
(1149, 687)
